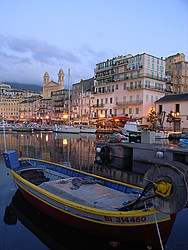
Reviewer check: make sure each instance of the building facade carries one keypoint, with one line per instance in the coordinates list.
(175, 109)
(9, 107)
(49, 86)
(177, 73)
(128, 85)
(60, 102)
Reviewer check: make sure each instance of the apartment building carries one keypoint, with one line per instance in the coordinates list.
(28, 108)
(177, 73)
(60, 103)
(9, 107)
(128, 85)
(83, 100)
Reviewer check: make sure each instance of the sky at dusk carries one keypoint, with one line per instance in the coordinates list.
(46, 35)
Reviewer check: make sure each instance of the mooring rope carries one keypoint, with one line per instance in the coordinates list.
(161, 243)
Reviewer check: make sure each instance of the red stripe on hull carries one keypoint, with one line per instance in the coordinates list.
(146, 234)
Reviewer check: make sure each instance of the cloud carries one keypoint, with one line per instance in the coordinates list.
(38, 51)
(25, 59)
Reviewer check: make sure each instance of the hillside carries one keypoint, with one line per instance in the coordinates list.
(25, 86)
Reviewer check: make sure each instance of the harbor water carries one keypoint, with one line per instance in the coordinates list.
(24, 227)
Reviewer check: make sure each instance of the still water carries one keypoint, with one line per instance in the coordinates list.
(24, 227)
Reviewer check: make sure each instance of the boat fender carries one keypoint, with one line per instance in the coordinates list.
(159, 154)
(98, 149)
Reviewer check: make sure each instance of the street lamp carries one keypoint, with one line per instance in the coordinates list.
(175, 114)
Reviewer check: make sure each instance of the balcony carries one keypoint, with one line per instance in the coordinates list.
(135, 76)
(98, 105)
(129, 103)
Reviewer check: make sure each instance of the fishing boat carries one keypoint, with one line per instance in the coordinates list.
(95, 204)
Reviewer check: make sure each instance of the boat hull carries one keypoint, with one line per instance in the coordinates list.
(115, 232)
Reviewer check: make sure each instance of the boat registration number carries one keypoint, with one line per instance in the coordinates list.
(125, 219)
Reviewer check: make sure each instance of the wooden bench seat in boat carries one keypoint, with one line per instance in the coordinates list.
(91, 195)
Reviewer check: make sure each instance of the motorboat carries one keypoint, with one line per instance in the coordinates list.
(66, 129)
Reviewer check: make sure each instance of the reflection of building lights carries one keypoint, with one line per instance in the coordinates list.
(65, 142)
(47, 138)
(65, 116)
(41, 135)
(101, 116)
(37, 135)
(47, 117)
(21, 116)
(37, 117)
(116, 120)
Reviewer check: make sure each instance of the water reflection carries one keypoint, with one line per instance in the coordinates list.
(77, 151)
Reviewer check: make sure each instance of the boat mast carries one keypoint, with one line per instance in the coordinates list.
(69, 92)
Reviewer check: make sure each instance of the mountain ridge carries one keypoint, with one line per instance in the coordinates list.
(25, 86)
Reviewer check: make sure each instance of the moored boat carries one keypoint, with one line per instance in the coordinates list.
(89, 202)
(66, 129)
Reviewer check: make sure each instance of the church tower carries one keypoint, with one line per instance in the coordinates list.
(61, 78)
(46, 78)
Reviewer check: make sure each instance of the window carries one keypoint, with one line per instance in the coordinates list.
(123, 111)
(106, 100)
(131, 85)
(101, 101)
(124, 99)
(151, 98)
(130, 98)
(137, 111)
(112, 88)
(137, 98)
(116, 86)
(160, 109)
(138, 73)
(139, 84)
(152, 66)
(110, 111)
(135, 85)
(177, 108)
(110, 99)
(116, 99)
(131, 75)
(115, 112)
(147, 98)
(125, 86)
(130, 111)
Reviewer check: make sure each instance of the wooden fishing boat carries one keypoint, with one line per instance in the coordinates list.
(88, 202)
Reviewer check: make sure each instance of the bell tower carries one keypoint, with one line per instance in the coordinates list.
(61, 78)
(46, 78)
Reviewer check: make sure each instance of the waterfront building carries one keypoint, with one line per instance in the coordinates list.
(177, 73)
(83, 101)
(9, 107)
(45, 111)
(49, 86)
(60, 102)
(28, 109)
(128, 86)
(174, 108)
